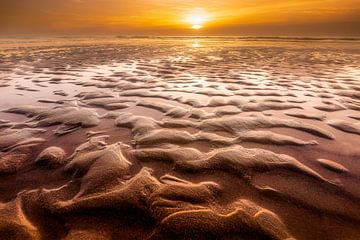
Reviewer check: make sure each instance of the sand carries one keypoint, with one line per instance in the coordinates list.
(179, 138)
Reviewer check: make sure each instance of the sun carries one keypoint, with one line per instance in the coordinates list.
(196, 26)
(197, 18)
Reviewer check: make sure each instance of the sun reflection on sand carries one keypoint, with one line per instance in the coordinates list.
(196, 44)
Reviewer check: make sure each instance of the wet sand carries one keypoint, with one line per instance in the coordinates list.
(179, 138)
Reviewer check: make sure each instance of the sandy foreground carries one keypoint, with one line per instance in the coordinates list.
(179, 138)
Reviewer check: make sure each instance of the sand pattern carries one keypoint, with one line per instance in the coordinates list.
(179, 139)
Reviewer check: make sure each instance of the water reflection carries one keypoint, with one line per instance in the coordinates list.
(196, 44)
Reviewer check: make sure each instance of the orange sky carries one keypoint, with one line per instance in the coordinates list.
(171, 17)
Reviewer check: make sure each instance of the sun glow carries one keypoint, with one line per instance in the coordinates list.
(196, 26)
(197, 18)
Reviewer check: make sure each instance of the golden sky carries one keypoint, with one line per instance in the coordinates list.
(182, 17)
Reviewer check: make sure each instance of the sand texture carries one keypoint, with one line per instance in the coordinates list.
(179, 138)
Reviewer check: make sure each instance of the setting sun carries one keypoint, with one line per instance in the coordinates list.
(197, 18)
(196, 26)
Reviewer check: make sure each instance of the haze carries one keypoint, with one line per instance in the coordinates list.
(168, 17)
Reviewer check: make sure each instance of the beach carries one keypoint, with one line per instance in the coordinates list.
(179, 138)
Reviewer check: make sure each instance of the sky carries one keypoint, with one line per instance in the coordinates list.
(181, 17)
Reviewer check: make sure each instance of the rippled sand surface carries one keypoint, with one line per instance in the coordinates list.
(179, 138)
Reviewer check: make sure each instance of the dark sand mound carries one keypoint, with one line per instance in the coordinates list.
(168, 109)
(98, 164)
(246, 218)
(234, 125)
(164, 136)
(16, 148)
(345, 126)
(170, 155)
(305, 115)
(138, 124)
(170, 202)
(243, 162)
(52, 157)
(329, 106)
(107, 103)
(69, 118)
(333, 166)
(94, 94)
(355, 116)
(14, 224)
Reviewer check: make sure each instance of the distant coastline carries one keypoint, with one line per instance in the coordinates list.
(249, 38)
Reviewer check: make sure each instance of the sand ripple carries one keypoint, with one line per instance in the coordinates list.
(158, 139)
